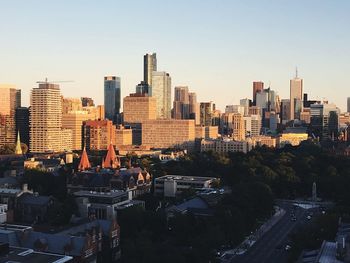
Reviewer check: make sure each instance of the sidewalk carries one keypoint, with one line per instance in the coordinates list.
(250, 240)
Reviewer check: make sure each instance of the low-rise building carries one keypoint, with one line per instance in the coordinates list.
(207, 132)
(224, 146)
(293, 139)
(262, 140)
(173, 185)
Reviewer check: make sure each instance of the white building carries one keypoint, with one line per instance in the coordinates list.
(161, 90)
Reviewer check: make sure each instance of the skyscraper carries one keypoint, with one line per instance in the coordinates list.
(161, 90)
(245, 103)
(206, 113)
(149, 65)
(143, 88)
(46, 132)
(296, 97)
(257, 87)
(181, 105)
(194, 107)
(112, 97)
(22, 124)
(10, 99)
(348, 108)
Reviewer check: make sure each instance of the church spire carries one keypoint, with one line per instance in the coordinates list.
(84, 161)
(18, 150)
(111, 160)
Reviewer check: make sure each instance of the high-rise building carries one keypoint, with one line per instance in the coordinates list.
(206, 113)
(168, 133)
(246, 104)
(257, 87)
(194, 107)
(181, 105)
(98, 135)
(238, 129)
(144, 88)
(22, 124)
(71, 104)
(73, 120)
(87, 102)
(149, 65)
(161, 90)
(235, 109)
(296, 97)
(138, 107)
(46, 132)
(324, 121)
(252, 125)
(10, 99)
(112, 97)
(262, 100)
(348, 106)
(285, 110)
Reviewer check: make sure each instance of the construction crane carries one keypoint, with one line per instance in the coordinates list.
(57, 81)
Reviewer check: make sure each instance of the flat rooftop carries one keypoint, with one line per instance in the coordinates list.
(185, 178)
(26, 255)
(110, 194)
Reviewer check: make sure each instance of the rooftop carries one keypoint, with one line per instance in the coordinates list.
(185, 178)
(19, 255)
(112, 193)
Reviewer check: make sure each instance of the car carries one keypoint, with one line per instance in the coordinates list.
(308, 217)
(294, 218)
(287, 247)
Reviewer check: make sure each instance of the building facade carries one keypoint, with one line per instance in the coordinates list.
(111, 97)
(98, 134)
(296, 97)
(149, 65)
(161, 90)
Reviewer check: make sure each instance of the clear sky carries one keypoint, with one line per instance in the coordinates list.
(216, 47)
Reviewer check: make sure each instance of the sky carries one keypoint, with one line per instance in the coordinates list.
(216, 47)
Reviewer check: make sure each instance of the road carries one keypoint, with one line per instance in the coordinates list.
(270, 248)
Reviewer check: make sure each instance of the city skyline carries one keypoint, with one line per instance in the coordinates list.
(228, 59)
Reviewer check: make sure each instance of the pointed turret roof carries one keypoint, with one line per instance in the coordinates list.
(84, 161)
(18, 145)
(111, 160)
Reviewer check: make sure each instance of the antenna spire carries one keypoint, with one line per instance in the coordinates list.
(296, 72)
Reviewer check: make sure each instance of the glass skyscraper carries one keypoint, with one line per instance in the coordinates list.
(112, 97)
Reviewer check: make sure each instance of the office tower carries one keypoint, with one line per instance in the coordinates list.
(181, 104)
(98, 134)
(149, 65)
(234, 109)
(274, 120)
(206, 132)
(254, 110)
(348, 105)
(46, 132)
(206, 113)
(246, 104)
(168, 133)
(194, 107)
(138, 107)
(143, 88)
(252, 125)
(87, 102)
(123, 136)
(238, 129)
(22, 124)
(285, 111)
(262, 100)
(161, 90)
(10, 99)
(324, 122)
(112, 97)
(97, 113)
(296, 97)
(257, 87)
(73, 120)
(71, 104)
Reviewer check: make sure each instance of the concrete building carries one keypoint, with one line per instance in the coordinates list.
(252, 125)
(235, 109)
(257, 87)
(194, 107)
(173, 185)
(144, 88)
(112, 97)
(46, 119)
(98, 134)
(207, 132)
(97, 113)
(262, 140)
(285, 111)
(246, 104)
(138, 107)
(168, 133)
(324, 121)
(254, 110)
(181, 104)
(348, 105)
(293, 139)
(206, 113)
(87, 102)
(238, 128)
(74, 120)
(296, 97)
(149, 65)
(10, 100)
(71, 104)
(161, 90)
(123, 136)
(226, 145)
